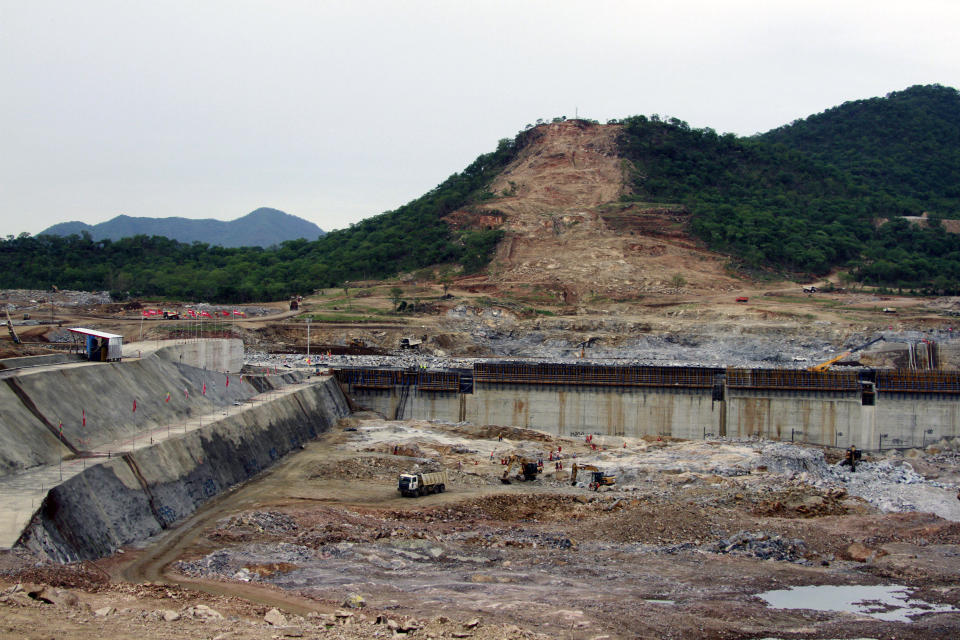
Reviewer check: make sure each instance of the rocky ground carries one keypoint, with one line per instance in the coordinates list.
(686, 545)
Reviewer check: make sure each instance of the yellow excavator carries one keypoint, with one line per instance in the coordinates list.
(528, 469)
(597, 478)
(824, 366)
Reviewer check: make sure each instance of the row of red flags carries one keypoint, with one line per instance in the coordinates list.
(194, 314)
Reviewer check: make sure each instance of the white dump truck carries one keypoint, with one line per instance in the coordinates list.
(418, 484)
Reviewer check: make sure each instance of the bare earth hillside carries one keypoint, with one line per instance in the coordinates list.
(568, 233)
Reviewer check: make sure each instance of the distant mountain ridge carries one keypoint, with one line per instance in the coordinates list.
(263, 227)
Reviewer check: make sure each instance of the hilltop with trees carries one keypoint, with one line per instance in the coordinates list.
(580, 209)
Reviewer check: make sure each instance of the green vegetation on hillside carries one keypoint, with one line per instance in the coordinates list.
(771, 207)
(905, 146)
(411, 237)
(808, 198)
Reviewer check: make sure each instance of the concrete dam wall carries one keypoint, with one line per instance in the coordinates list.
(870, 409)
(130, 498)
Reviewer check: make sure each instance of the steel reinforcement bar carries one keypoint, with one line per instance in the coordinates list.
(908, 381)
(792, 380)
(595, 375)
(389, 378)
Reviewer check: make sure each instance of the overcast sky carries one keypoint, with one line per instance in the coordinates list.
(336, 111)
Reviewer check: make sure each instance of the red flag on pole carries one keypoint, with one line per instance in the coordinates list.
(134, 405)
(204, 390)
(186, 394)
(228, 381)
(61, 429)
(83, 414)
(168, 397)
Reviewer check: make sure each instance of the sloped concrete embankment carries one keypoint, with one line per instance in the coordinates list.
(33, 405)
(134, 497)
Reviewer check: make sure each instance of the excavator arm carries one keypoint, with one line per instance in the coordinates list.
(823, 366)
(505, 478)
(583, 467)
(13, 334)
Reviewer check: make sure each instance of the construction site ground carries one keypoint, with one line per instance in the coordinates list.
(683, 546)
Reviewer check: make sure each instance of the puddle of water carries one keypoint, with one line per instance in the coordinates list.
(891, 603)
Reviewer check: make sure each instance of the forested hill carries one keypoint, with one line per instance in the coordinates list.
(263, 227)
(412, 236)
(906, 145)
(809, 197)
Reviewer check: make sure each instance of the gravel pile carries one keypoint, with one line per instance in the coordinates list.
(761, 545)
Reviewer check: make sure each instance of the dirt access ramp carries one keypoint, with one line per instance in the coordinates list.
(558, 201)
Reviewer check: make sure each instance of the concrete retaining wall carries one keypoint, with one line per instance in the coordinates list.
(561, 409)
(132, 498)
(213, 354)
(626, 411)
(813, 416)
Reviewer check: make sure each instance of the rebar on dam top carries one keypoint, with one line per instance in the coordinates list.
(890, 381)
(595, 375)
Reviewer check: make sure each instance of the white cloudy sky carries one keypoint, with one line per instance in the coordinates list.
(335, 111)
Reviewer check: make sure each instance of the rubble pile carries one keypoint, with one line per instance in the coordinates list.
(243, 562)
(26, 299)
